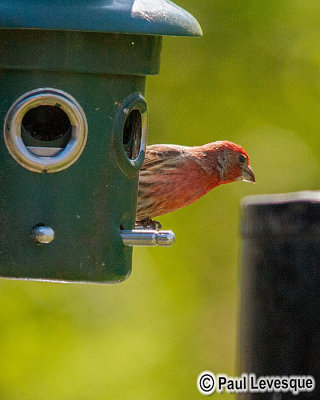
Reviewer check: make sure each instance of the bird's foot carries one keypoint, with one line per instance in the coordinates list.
(155, 225)
(150, 223)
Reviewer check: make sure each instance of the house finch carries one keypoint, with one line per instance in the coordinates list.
(175, 176)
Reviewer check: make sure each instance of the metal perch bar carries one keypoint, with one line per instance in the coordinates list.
(147, 237)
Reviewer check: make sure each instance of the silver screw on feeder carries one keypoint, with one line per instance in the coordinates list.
(42, 234)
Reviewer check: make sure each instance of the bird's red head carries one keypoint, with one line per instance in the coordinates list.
(230, 161)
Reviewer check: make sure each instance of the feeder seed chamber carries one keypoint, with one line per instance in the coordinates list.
(72, 79)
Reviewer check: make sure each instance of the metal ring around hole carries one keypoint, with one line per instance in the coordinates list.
(12, 130)
(134, 101)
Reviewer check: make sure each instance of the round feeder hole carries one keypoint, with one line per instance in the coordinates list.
(48, 124)
(132, 133)
(45, 130)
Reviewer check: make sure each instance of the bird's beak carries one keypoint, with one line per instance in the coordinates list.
(247, 175)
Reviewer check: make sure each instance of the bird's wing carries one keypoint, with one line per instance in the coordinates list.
(158, 153)
(161, 170)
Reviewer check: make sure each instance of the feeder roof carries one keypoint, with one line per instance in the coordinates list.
(146, 17)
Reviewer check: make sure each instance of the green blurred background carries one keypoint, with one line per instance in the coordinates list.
(254, 78)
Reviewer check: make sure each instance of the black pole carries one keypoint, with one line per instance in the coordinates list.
(280, 289)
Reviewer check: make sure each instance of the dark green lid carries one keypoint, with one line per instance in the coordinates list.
(146, 17)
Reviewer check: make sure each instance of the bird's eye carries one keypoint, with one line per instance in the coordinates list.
(242, 159)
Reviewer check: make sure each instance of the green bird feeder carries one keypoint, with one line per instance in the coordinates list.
(72, 79)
